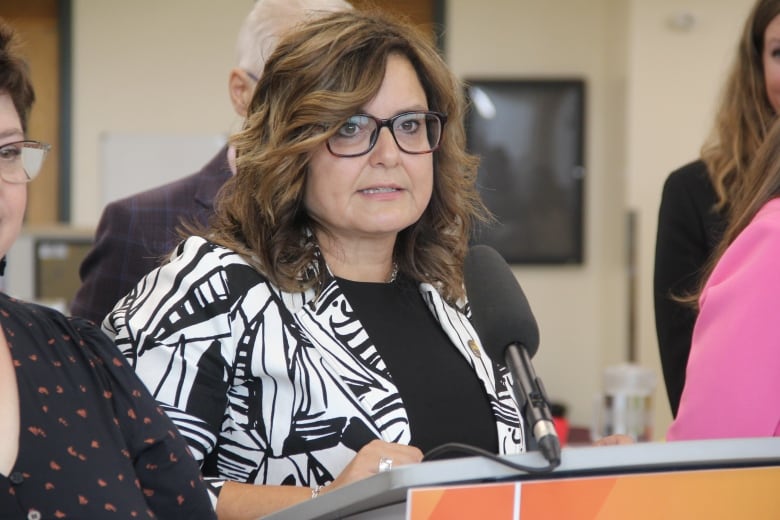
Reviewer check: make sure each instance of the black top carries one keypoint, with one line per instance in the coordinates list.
(688, 231)
(444, 400)
(92, 443)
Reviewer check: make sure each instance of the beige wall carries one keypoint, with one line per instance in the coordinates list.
(162, 66)
(147, 66)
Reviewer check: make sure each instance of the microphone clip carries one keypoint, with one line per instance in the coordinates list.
(532, 399)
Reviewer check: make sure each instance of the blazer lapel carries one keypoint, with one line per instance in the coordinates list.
(511, 437)
(332, 327)
(462, 335)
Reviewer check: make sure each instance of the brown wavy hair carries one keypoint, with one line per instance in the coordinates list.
(15, 75)
(318, 76)
(744, 116)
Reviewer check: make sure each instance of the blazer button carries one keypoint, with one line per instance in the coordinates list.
(34, 514)
(16, 478)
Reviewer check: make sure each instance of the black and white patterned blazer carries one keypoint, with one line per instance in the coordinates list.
(271, 387)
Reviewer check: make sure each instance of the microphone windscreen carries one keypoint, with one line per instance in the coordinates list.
(499, 309)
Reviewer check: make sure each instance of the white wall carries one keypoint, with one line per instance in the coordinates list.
(162, 67)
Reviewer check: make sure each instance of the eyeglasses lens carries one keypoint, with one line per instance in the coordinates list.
(21, 162)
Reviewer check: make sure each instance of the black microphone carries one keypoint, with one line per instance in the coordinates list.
(505, 324)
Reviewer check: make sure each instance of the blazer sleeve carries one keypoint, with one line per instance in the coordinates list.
(174, 328)
(121, 255)
(732, 384)
(687, 231)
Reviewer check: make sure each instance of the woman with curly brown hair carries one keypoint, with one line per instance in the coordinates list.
(318, 332)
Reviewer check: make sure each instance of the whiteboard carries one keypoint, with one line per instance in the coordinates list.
(133, 162)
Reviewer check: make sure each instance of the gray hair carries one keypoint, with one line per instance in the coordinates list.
(267, 22)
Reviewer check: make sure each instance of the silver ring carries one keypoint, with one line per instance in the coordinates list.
(385, 464)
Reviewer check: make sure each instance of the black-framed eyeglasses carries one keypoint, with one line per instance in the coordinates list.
(413, 132)
(21, 161)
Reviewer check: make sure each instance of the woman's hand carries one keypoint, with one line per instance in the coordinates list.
(238, 500)
(367, 461)
(612, 440)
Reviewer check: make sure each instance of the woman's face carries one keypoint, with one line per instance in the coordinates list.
(378, 194)
(13, 197)
(771, 60)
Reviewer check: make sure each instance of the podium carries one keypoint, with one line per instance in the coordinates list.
(753, 464)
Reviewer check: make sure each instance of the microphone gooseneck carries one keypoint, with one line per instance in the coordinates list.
(508, 330)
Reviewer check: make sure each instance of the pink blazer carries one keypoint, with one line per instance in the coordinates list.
(732, 385)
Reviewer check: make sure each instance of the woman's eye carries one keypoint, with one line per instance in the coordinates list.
(409, 126)
(349, 130)
(10, 152)
(355, 125)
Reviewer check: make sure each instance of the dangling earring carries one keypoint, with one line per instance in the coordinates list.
(394, 274)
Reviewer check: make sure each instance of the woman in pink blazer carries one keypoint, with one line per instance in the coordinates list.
(732, 386)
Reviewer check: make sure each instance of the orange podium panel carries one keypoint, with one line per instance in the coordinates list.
(719, 493)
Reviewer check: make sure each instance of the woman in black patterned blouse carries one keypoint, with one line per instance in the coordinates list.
(80, 436)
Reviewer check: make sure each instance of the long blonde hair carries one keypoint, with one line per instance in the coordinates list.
(321, 74)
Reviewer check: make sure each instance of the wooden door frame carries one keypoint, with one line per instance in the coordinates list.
(437, 15)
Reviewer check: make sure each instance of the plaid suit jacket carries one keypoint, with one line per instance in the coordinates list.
(136, 233)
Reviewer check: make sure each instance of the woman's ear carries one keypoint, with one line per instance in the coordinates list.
(241, 87)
